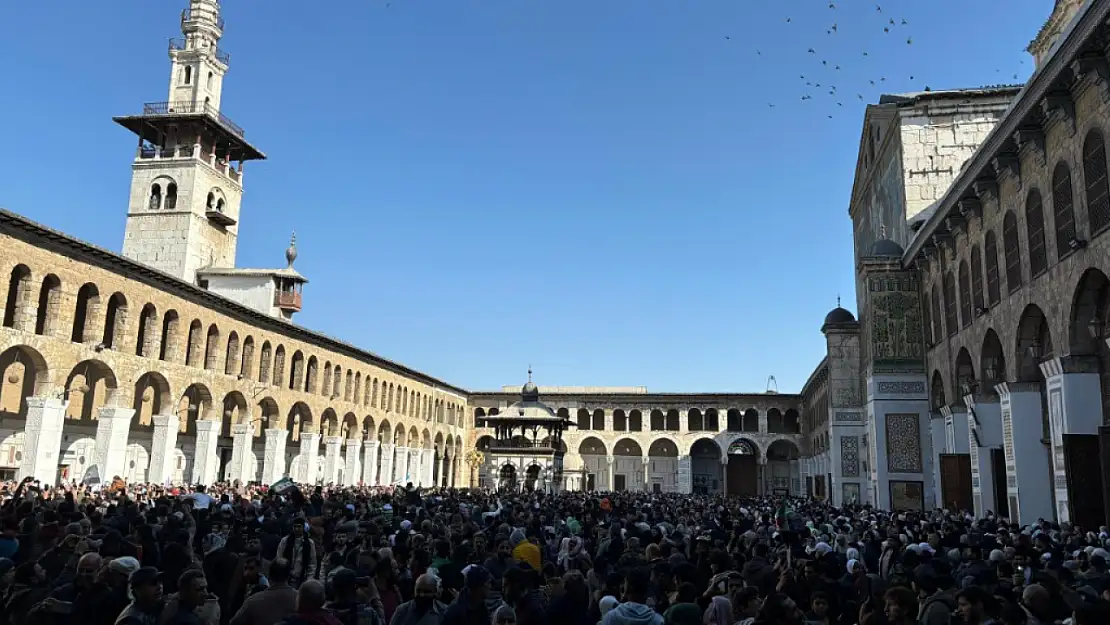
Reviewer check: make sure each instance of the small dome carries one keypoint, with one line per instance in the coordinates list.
(886, 247)
(291, 251)
(839, 315)
(530, 391)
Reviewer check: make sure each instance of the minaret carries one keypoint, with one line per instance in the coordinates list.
(187, 177)
(1062, 14)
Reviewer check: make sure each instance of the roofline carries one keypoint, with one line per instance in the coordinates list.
(1088, 19)
(824, 364)
(112, 261)
(645, 397)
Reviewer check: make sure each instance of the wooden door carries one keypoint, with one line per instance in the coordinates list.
(1081, 455)
(955, 481)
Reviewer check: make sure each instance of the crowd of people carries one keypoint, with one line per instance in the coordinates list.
(235, 554)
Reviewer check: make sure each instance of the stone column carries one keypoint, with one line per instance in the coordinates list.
(110, 453)
(385, 476)
(427, 459)
(984, 434)
(43, 439)
(273, 462)
(162, 448)
(401, 465)
(1074, 408)
(1028, 485)
(370, 463)
(205, 461)
(332, 447)
(724, 473)
(685, 475)
(351, 474)
(310, 450)
(647, 473)
(416, 469)
(240, 448)
(610, 465)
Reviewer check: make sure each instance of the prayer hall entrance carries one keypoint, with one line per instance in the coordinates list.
(743, 468)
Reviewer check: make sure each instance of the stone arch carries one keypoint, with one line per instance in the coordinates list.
(26, 374)
(792, 421)
(583, 419)
(148, 331)
(325, 387)
(170, 339)
(635, 421)
(775, 423)
(193, 344)
(700, 445)
(484, 443)
(964, 374)
(627, 447)
(212, 348)
(712, 420)
(152, 397)
(91, 385)
(231, 358)
(329, 423)
(269, 415)
(368, 429)
(1095, 182)
(350, 428)
(620, 421)
(694, 420)
(299, 420)
(296, 371)
(195, 404)
(743, 447)
(592, 446)
(663, 448)
(750, 421)
(658, 421)
(734, 420)
(992, 361)
(48, 319)
(1089, 313)
(937, 398)
(17, 307)
(246, 367)
(235, 412)
(279, 365)
(115, 322)
(400, 435)
(783, 449)
(480, 417)
(1033, 344)
(358, 387)
(264, 363)
(86, 311)
(414, 437)
(384, 432)
(672, 420)
(426, 439)
(598, 421)
(707, 472)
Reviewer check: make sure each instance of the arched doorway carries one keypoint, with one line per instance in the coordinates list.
(506, 480)
(743, 468)
(532, 477)
(705, 467)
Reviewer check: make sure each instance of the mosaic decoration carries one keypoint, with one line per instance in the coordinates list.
(848, 417)
(849, 456)
(907, 495)
(903, 443)
(895, 324)
(901, 388)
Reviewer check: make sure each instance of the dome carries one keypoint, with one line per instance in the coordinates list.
(886, 247)
(839, 315)
(530, 392)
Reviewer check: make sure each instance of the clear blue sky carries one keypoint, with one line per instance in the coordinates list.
(596, 187)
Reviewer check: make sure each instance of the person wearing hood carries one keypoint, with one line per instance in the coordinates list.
(526, 551)
(147, 602)
(470, 608)
(634, 611)
(938, 602)
(310, 607)
(349, 607)
(192, 605)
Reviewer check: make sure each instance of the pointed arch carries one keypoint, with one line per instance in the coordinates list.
(231, 359)
(1095, 182)
(194, 345)
(264, 363)
(212, 348)
(950, 324)
(992, 362)
(310, 376)
(937, 399)
(990, 253)
(1034, 231)
(246, 369)
(296, 371)
(965, 294)
(1033, 344)
(87, 309)
(171, 336)
(976, 279)
(148, 331)
(964, 374)
(48, 320)
(1063, 205)
(1012, 250)
(279, 365)
(115, 322)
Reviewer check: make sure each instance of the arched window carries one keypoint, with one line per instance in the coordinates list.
(1063, 206)
(938, 329)
(990, 250)
(976, 278)
(1094, 178)
(171, 196)
(188, 74)
(965, 295)
(950, 303)
(220, 205)
(210, 81)
(210, 202)
(1034, 230)
(1012, 251)
(50, 303)
(927, 319)
(19, 299)
(155, 197)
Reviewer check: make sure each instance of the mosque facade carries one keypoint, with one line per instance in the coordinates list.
(979, 338)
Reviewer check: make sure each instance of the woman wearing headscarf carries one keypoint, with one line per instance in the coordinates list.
(719, 612)
(525, 551)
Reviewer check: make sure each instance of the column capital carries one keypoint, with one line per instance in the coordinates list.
(610, 459)
(310, 437)
(276, 433)
(1061, 365)
(333, 440)
(207, 425)
(164, 420)
(240, 429)
(353, 442)
(372, 444)
(1005, 389)
(47, 403)
(113, 412)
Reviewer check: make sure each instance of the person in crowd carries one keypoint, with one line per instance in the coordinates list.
(270, 604)
(299, 550)
(309, 610)
(634, 609)
(146, 598)
(470, 607)
(425, 607)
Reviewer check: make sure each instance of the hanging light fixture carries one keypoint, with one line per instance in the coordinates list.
(991, 369)
(1034, 349)
(1095, 327)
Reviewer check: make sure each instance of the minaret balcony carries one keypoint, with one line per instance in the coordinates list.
(188, 107)
(287, 301)
(178, 44)
(187, 16)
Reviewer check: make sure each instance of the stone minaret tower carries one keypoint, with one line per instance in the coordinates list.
(1062, 14)
(187, 177)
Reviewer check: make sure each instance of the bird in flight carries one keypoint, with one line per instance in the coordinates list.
(832, 5)
(909, 41)
(834, 28)
(812, 51)
(878, 8)
(904, 22)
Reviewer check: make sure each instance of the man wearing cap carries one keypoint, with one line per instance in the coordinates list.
(146, 605)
